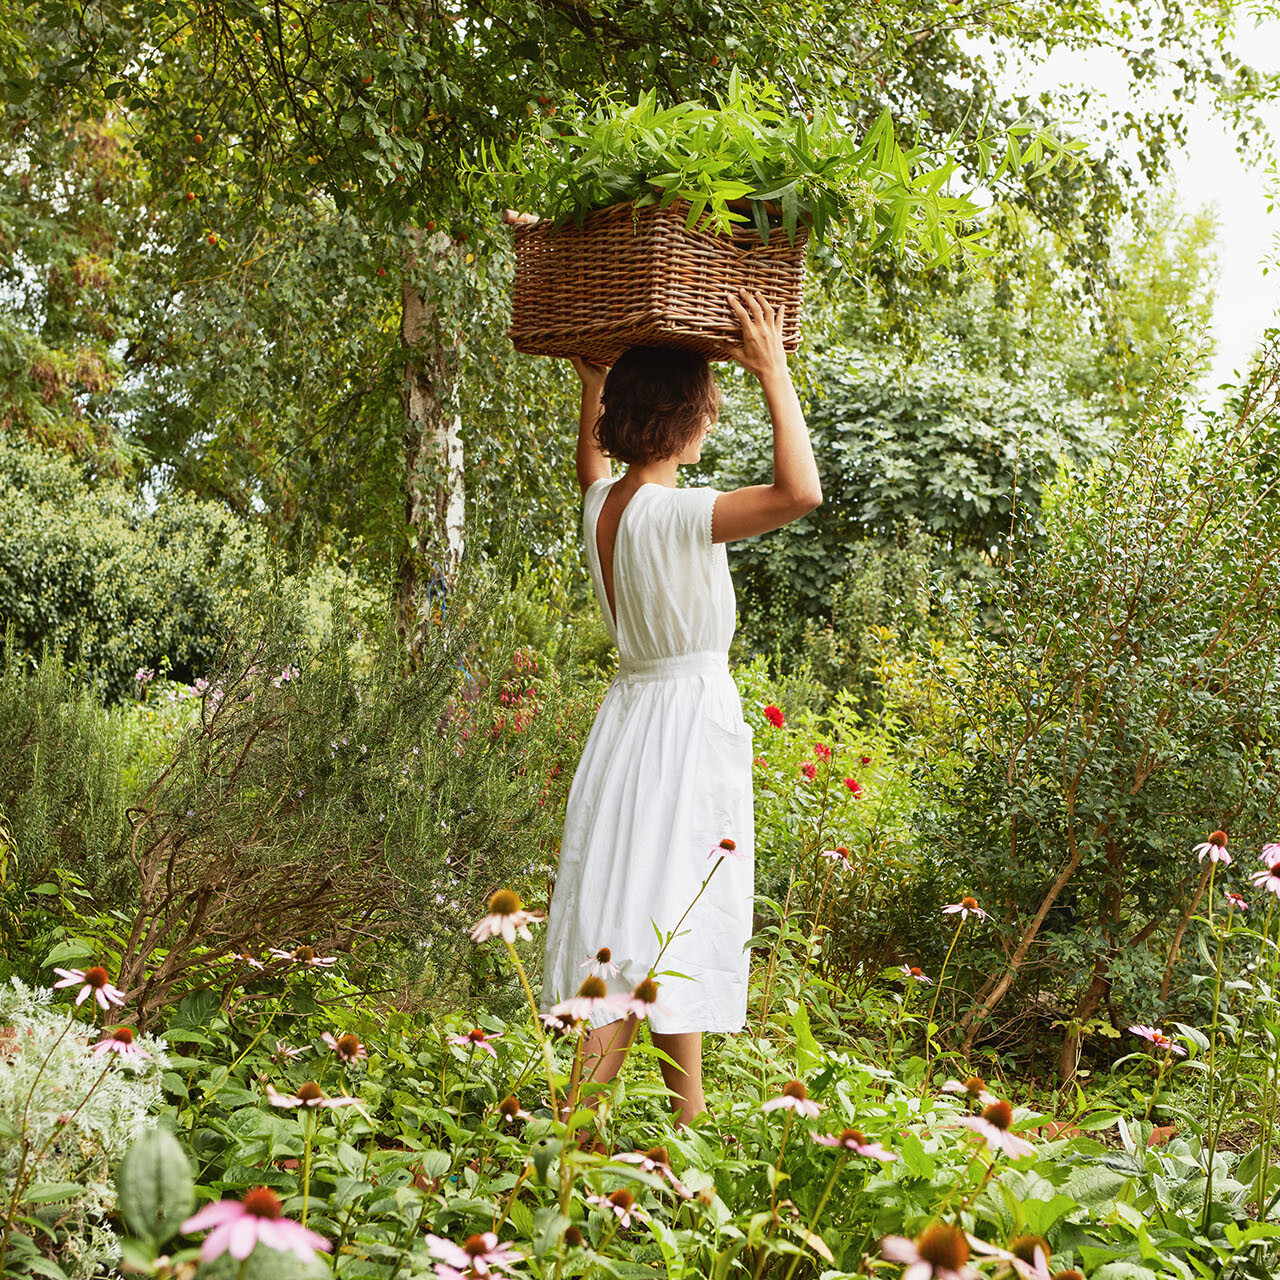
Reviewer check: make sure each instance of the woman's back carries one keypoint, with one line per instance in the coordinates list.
(671, 586)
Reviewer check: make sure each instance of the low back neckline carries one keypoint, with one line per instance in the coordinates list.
(612, 607)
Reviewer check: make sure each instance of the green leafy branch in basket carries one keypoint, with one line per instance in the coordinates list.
(748, 159)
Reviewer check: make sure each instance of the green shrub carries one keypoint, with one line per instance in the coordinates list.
(116, 586)
(1123, 704)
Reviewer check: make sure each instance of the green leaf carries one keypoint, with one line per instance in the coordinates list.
(51, 1192)
(154, 1186)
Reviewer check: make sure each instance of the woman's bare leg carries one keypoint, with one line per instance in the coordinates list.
(605, 1050)
(685, 1079)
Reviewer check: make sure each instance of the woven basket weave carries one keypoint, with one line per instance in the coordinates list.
(636, 277)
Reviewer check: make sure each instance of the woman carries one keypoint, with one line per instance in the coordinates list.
(661, 799)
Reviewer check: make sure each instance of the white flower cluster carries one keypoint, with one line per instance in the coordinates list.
(85, 1142)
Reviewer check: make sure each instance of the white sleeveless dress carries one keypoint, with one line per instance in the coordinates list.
(665, 775)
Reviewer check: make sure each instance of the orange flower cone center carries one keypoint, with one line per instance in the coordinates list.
(795, 1090)
(623, 1199)
(1024, 1247)
(97, 977)
(506, 902)
(647, 991)
(604, 955)
(123, 1034)
(305, 954)
(657, 1154)
(852, 1135)
(475, 1247)
(944, 1247)
(262, 1202)
(593, 989)
(971, 903)
(999, 1114)
(349, 1045)
(311, 1092)
(974, 1086)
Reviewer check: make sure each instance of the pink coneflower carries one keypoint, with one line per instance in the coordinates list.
(725, 849)
(245, 958)
(1268, 878)
(774, 716)
(559, 1024)
(506, 919)
(940, 1252)
(809, 769)
(913, 973)
(509, 1110)
(855, 787)
(839, 854)
(1158, 1038)
(853, 1140)
(286, 1053)
(601, 964)
(621, 1203)
(1214, 848)
(794, 1097)
(1237, 900)
(478, 1038)
(237, 1226)
(120, 1042)
(96, 982)
(347, 1046)
(1027, 1255)
(656, 1160)
(966, 907)
(992, 1126)
(306, 956)
(644, 999)
(593, 997)
(308, 1095)
(480, 1255)
(974, 1088)
(1270, 853)
(822, 751)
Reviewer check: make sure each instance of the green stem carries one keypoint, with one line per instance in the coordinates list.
(543, 1042)
(817, 1213)
(309, 1129)
(928, 1028)
(1211, 1136)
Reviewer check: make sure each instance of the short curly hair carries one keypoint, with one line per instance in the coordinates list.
(655, 401)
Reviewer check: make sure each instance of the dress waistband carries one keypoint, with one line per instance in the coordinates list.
(702, 661)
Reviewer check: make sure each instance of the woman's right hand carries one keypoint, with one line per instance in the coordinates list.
(761, 351)
(591, 373)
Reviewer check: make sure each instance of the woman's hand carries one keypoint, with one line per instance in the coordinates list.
(761, 351)
(591, 373)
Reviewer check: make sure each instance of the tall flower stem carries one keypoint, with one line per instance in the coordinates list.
(1155, 1088)
(817, 1213)
(543, 1042)
(758, 1271)
(1211, 1136)
(933, 1006)
(773, 958)
(309, 1130)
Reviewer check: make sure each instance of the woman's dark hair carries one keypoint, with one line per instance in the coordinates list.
(655, 401)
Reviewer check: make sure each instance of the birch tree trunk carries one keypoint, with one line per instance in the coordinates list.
(435, 495)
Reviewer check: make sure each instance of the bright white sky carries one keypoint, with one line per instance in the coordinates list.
(1208, 172)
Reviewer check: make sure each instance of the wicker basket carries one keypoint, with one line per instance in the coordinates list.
(629, 278)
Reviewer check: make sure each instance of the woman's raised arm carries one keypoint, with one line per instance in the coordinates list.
(592, 464)
(796, 489)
